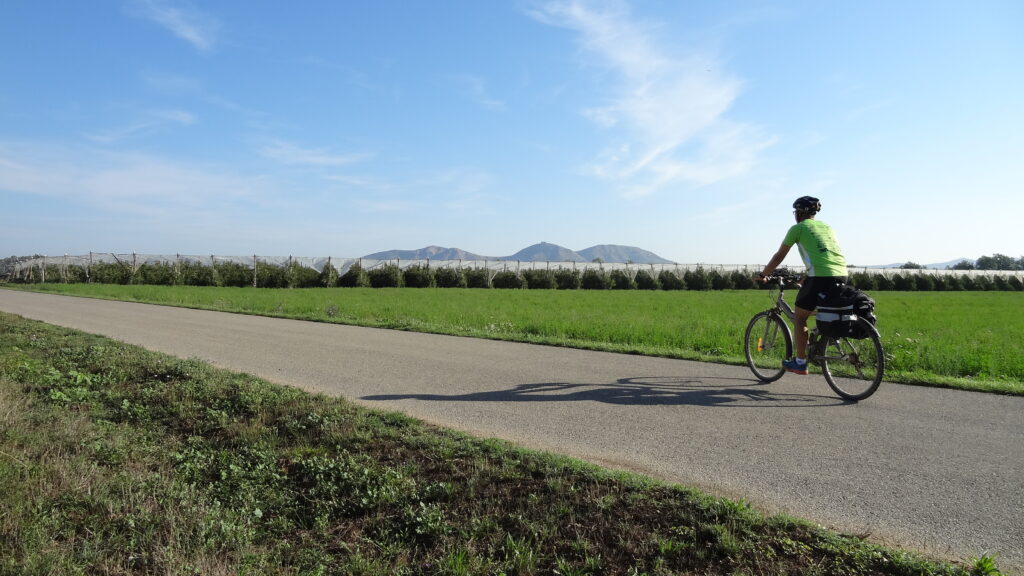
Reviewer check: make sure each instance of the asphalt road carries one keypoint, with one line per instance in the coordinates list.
(941, 471)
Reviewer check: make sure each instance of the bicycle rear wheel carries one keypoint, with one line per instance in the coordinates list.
(766, 343)
(854, 368)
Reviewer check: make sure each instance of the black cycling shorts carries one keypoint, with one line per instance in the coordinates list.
(817, 289)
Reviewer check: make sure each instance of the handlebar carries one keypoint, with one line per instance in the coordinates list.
(782, 278)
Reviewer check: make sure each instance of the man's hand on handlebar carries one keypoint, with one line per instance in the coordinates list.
(780, 275)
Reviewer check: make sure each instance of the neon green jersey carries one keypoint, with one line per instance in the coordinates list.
(818, 248)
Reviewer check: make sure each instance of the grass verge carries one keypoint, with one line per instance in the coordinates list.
(116, 460)
(966, 340)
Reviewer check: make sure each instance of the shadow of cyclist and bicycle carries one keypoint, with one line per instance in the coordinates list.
(641, 391)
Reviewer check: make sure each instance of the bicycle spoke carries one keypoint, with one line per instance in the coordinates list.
(766, 344)
(854, 368)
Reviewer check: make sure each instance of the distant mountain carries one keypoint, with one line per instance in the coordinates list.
(545, 252)
(430, 252)
(937, 266)
(614, 253)
(950, 264)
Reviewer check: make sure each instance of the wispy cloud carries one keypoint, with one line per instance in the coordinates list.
(120, 182)
(177, 86)
(668, 109)
(289, 153)
(148, 122)
(458, 190)
(184, 21)
(390, 206)
(475, 88)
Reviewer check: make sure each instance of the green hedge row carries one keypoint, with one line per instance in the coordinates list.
(296, 276)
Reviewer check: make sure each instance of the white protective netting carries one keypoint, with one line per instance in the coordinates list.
(133, 261)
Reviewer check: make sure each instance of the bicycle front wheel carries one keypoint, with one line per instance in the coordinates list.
(854, 368)
(766, 344)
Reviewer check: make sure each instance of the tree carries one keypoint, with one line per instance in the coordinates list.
(904, 282)
(720, 281)
(646, 281)
(997, 262)
(863, 280)
(983, 283)
(567, 279)
(924, 282)
(328, 276)
(507, 279)
(883, 282)
(354, 277)
(741, 279)
(386, 276)
(594, 280)
(962, 265)
(621, 280)
(697, 279)
(418, 276)
(952, 282)
(911, 266)
(449, 278)
(539, 279)
(669, 280)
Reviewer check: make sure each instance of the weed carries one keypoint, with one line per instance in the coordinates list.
(114, 460)
(520, 556)
(984, 565)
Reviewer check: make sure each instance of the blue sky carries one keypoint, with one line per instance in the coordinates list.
(345, 128)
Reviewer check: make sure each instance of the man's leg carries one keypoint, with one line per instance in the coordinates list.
(798, 365)
(800, 324)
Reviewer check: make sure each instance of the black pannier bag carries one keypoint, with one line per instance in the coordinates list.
(837, 317)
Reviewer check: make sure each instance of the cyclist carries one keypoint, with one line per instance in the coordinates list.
(826, 270)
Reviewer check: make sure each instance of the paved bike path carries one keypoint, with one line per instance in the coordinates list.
(936, 470)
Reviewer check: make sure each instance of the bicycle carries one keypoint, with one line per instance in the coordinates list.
(853, 368)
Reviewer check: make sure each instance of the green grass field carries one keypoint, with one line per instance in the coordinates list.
(970, 340)
(116, 460)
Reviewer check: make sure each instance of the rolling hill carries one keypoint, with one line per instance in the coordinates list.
(428, 253)
(541, 252)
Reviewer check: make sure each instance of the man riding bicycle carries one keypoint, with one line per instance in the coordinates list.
(826, 270)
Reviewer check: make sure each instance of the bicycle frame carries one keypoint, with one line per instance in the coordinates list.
(782, 308)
